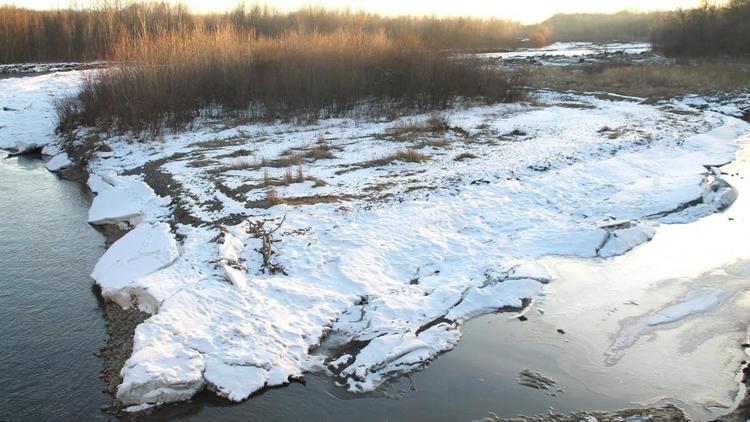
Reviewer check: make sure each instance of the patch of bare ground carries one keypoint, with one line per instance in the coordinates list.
(289, 158)
(236, 154)
(666, 413)
(120, 325)
(216, 143)
(273, 197)
(648, 80)
(166, 186)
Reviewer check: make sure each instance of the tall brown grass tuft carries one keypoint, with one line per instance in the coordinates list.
(170, 78)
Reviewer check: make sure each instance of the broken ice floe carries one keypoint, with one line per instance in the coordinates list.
(142, 251)
(123, 199)
(59, 162)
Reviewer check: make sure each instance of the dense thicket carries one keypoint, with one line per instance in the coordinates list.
(710, 30)
(169, 79)
(80, 34)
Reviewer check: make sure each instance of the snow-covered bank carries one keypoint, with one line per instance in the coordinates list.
(27, 109)
(394, 278)
(389, 256)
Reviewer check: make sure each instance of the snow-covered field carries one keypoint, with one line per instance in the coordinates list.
(385, 257)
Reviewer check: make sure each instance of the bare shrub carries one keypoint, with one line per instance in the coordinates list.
(258, 229)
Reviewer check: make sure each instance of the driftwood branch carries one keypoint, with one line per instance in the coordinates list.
(258, 229)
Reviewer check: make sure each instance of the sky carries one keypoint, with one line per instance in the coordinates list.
(526, 11)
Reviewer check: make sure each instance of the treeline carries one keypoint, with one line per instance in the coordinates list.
(86, 34)
(76, 35)
(709, 30)
(599, 27)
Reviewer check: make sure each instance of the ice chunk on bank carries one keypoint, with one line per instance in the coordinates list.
(482, 300)
(51, 150)
(173, 373)
(623, 240)
(59, 162)
(122, 198)
(142, 251)
(235, 382)
(398, 353)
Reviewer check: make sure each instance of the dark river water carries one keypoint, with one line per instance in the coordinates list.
(52, 324)
(51, 320)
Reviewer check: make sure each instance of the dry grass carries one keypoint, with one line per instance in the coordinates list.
(651, 81)
(405, 155)
(290, 176)
(317, 182)
(464, 156)
(320, 151)
(169, 79)
(242, 162)
(408, 129)
(273, 197)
